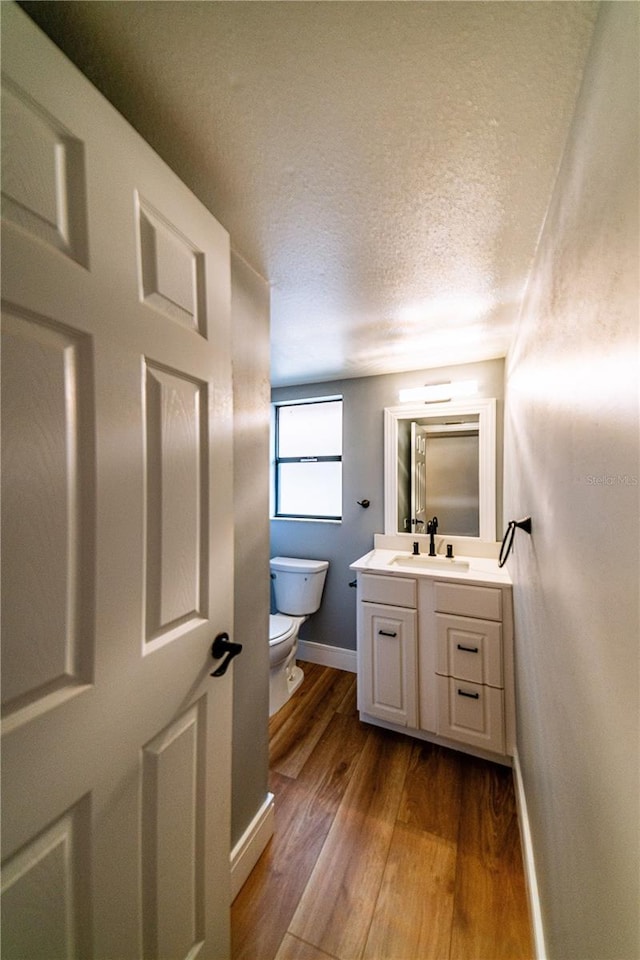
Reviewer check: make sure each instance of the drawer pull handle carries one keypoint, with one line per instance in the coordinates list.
(472, 696)
(386, 633)
(461, 646)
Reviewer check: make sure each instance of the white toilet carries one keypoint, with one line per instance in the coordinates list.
(298, 586)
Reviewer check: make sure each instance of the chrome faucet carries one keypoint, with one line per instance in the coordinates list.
(432, 529)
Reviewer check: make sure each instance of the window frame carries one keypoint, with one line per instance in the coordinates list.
(276, 461)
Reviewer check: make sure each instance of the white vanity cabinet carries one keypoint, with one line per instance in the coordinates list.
(435, 659)
(387, 648)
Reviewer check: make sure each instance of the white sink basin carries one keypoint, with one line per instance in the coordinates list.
(429, 563)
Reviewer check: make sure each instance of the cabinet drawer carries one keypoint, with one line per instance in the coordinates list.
(469, 601)
(397, 591)
(471, 713)
(469, 649)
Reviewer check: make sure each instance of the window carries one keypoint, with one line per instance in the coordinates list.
(308, 459)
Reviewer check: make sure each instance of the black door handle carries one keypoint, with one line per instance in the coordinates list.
(219, 647)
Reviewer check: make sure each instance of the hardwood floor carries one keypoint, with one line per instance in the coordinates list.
(385, 847)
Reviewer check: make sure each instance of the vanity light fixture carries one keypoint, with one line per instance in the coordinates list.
(437, 392)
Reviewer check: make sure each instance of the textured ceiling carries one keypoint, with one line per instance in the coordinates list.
(385, 166)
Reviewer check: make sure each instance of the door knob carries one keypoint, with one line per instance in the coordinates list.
(219, 647)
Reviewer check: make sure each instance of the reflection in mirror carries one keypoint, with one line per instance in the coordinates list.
(439, 475)
(440, 461)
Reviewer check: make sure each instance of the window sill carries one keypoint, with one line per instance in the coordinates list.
(305, 520)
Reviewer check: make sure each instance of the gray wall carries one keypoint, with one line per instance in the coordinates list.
(363, 475)
(250, 752)
(571, 443)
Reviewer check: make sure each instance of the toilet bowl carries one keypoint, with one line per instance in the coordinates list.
(285, 676)
(298, 586)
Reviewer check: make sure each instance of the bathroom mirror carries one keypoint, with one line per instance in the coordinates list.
(440, 460)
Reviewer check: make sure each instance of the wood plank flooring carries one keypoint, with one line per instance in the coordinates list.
(385, 847)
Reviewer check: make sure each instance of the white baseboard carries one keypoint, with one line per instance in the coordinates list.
(247, 850)
(327, 656)
(539, 944)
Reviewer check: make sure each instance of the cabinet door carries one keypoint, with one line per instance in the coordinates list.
(387, 686)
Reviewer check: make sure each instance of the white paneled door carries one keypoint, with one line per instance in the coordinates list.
(117, 532)
(418, 478)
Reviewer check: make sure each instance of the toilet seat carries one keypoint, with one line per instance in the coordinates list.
(281, 627)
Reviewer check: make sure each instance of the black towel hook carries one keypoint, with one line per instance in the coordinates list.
(507, 540)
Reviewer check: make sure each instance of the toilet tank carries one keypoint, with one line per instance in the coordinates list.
(298, 584)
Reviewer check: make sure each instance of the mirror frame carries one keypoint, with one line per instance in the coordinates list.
(486, 410)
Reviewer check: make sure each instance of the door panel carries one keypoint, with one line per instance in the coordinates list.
(177, 491)
(173, 806)
(171, 270)
(45, 911)
(43, 174)
(116, 513)
(47, 522)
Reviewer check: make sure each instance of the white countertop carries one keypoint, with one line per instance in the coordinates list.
(481, 569)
